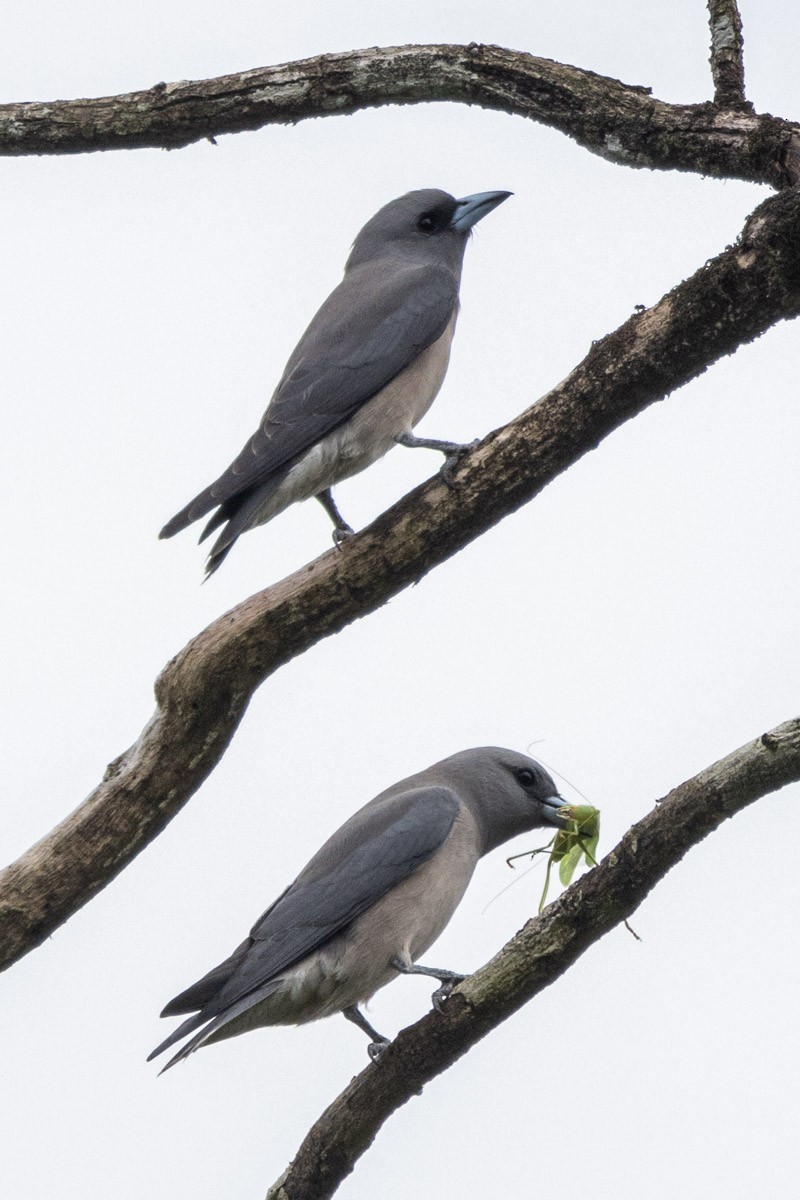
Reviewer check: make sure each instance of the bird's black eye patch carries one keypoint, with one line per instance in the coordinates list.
(427, 223)
(526, 777)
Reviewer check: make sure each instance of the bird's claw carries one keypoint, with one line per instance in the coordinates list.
(443, 991)
(341, 534)
(376, 1049)
(452, 460)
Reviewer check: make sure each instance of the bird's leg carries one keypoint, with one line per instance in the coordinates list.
(378, 1043)
(448, 979)
(451, 450)
(341, 530)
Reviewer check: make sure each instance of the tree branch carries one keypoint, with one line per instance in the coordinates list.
(202, 694)
(727, 53)
(541, 952)
(619, 122)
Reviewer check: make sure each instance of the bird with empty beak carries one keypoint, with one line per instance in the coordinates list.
(363, 374)
(371, 901)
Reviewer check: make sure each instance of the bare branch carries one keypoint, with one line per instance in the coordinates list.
(204, 691)
(727, 53)
(619, 122)
(543, 950)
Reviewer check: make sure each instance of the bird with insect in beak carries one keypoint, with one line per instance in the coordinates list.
(362, 376)
(371, 901)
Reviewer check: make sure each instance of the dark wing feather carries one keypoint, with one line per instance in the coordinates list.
(354, 870)
(380, 317)
(204, 991)
(372, 852)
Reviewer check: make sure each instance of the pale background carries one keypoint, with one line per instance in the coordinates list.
(636, 622)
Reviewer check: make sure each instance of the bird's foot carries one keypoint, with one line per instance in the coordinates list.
(451, 450)
(440, 995)
(341, 530)
(447, 979)
(341, 534)
(452, 458)
(378, 1042)
(376, 1049)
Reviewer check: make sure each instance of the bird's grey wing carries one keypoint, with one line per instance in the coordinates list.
(376, 849)
(359, 865)
(377, 321)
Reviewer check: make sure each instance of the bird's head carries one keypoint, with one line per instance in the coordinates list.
(427, 224)
(507, 792)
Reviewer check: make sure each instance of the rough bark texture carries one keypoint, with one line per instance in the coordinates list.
(620, 122)
(203, 692)
(543, 950)
(727, 53)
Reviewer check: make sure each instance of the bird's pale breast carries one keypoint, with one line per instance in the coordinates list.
(354, 965)
(369, 433)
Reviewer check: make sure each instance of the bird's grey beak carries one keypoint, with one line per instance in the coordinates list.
(472, 208)
(551, 812)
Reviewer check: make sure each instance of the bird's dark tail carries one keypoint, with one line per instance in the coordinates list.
(194, 510)
(185, 1027)
(198, 508)
(237, 514)
(224, 544)
(212, 1020)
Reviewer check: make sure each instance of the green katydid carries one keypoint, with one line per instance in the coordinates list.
(566, 848)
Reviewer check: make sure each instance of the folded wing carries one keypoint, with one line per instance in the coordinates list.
(373, 852)
(380, 317)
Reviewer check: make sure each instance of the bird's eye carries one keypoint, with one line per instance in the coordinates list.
(426, 223)
(525, 777)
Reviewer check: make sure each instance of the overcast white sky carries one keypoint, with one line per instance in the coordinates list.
(635, 623)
